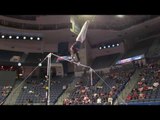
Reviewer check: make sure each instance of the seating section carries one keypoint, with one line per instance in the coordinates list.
(34, 91)
(115, 81)
(147, 89)
(7, 81)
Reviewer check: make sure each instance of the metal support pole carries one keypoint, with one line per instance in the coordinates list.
(49, 77)
(91, 73)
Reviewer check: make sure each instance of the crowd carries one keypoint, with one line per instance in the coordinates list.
(5, 90)
(103, 94)
(36, 91)
(148, 85)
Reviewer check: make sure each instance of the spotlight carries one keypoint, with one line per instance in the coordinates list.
(11, 67)
(100, 48)
(2, 36)
(19, 64)
(109, 46)
(104, 46)
(112, 45)
(31, 38)
(10, 36)
(40, 64)
(24, 37)
(120, 16)
(38, 38)
(20, 74)
(17, 37)
(117, 44)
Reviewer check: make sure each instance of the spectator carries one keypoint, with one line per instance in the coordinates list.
(145, 87)
(141, 96)
(99, 100)
(140, 83)
(110, 100)
(150, 88)
(31, 92)
(156, 84)
(143, 79)
(29, 102)
(140, 89)
(64, 87)
(129, 97)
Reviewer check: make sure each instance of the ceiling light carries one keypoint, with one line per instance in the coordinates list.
(2, 36)
(17, 37)
(120, 16)
(31, 38)
(24, 37)
(40, 64)
(10, 37)
(38, 38)
(19, 64)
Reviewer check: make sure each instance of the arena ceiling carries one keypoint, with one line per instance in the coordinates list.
(104, 28)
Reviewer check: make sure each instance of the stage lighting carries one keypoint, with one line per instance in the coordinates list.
(109, 46)
(104, 46)
(40, 64)
(11, 67)
(120, 16)
(38, 38)
(100, 48)
(19, 64)
(17, 37)
(24, 37)
(2, 36)
(31, 38)
(117, 44)
(20, 74)
(113, 45)
(10, 37)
